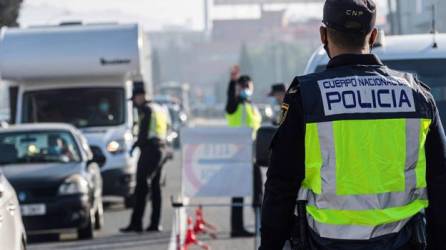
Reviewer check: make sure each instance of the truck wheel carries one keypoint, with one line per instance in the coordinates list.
(99, 216)
(87, 232)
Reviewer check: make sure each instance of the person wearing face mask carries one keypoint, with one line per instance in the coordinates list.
(241, 112)
(277, 95)
(103, 114)
(360, 153)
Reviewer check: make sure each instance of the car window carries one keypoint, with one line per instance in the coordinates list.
(38, 147)
(98, 107)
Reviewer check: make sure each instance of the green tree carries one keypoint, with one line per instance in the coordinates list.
(9, 12)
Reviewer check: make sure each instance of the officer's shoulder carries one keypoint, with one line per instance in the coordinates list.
(298, 81)
(146, 108)
(413, 78)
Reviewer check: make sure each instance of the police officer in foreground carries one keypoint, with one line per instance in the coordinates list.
(361, 147)
(151, 142)
(241, 112)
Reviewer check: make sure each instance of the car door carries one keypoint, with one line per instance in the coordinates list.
(10, 229)
(93, 171)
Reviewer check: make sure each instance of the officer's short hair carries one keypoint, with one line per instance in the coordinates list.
(347, 40)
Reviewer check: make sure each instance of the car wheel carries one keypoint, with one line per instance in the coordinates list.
(129, 201)
(99, 216)
(88, 231)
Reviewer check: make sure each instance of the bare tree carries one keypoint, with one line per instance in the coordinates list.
(9, 12)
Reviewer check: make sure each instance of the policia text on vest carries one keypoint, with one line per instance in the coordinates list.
(366, 94)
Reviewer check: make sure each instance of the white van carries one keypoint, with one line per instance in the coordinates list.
(82, 75)
(423, 55)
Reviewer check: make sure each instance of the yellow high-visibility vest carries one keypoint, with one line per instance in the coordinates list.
(365, 163)
(246, 115)
(158, 122)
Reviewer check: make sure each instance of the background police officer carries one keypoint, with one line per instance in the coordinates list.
(277, 94)
(365, 164)
(241, 112)
(151, 142)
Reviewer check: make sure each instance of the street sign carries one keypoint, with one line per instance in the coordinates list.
(217, 162)
(238, 2)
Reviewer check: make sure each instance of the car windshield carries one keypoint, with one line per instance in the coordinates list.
(97, 107)
(429, 71)
(38, 147)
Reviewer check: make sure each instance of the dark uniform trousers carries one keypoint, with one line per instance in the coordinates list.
(149, 170)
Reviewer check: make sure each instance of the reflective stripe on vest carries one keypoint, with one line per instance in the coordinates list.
(245, 115)
(158, 123)
(359, 185)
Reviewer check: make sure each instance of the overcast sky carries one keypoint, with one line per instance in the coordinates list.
(153, 14)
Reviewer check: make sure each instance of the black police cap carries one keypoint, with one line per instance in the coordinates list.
(279, 87)
(350, 16)
(138, 89)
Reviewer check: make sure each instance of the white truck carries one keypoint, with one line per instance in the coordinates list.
(83, 75)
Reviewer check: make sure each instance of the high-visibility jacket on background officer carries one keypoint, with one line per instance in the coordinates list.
(241, 112)
(363, 145)
(153, 128)
(246, 115)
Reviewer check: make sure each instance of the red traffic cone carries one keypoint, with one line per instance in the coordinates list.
(203, 227)
(191, 237)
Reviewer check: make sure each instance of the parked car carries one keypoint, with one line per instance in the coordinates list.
(58, 185)
(12, 231)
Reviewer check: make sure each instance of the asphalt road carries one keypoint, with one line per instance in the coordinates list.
(116, 216)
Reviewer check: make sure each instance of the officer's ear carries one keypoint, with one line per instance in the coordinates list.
(373, 37)
(323, 32)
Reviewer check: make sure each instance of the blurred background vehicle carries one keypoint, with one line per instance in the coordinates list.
(92, 81)
(59, 187)
(12, 231)
(178, 117)
(178, 93)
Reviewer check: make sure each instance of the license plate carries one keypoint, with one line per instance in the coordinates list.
(34, 209)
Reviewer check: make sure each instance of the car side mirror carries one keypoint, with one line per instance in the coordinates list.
(265, 137)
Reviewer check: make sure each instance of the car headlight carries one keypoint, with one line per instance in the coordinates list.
(116, 146)
(75, 184)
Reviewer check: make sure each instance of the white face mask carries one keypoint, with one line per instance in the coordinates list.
(245, 94)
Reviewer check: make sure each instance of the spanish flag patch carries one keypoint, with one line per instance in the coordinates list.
(284, 113)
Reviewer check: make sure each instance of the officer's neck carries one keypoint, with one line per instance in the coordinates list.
(335, 51)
